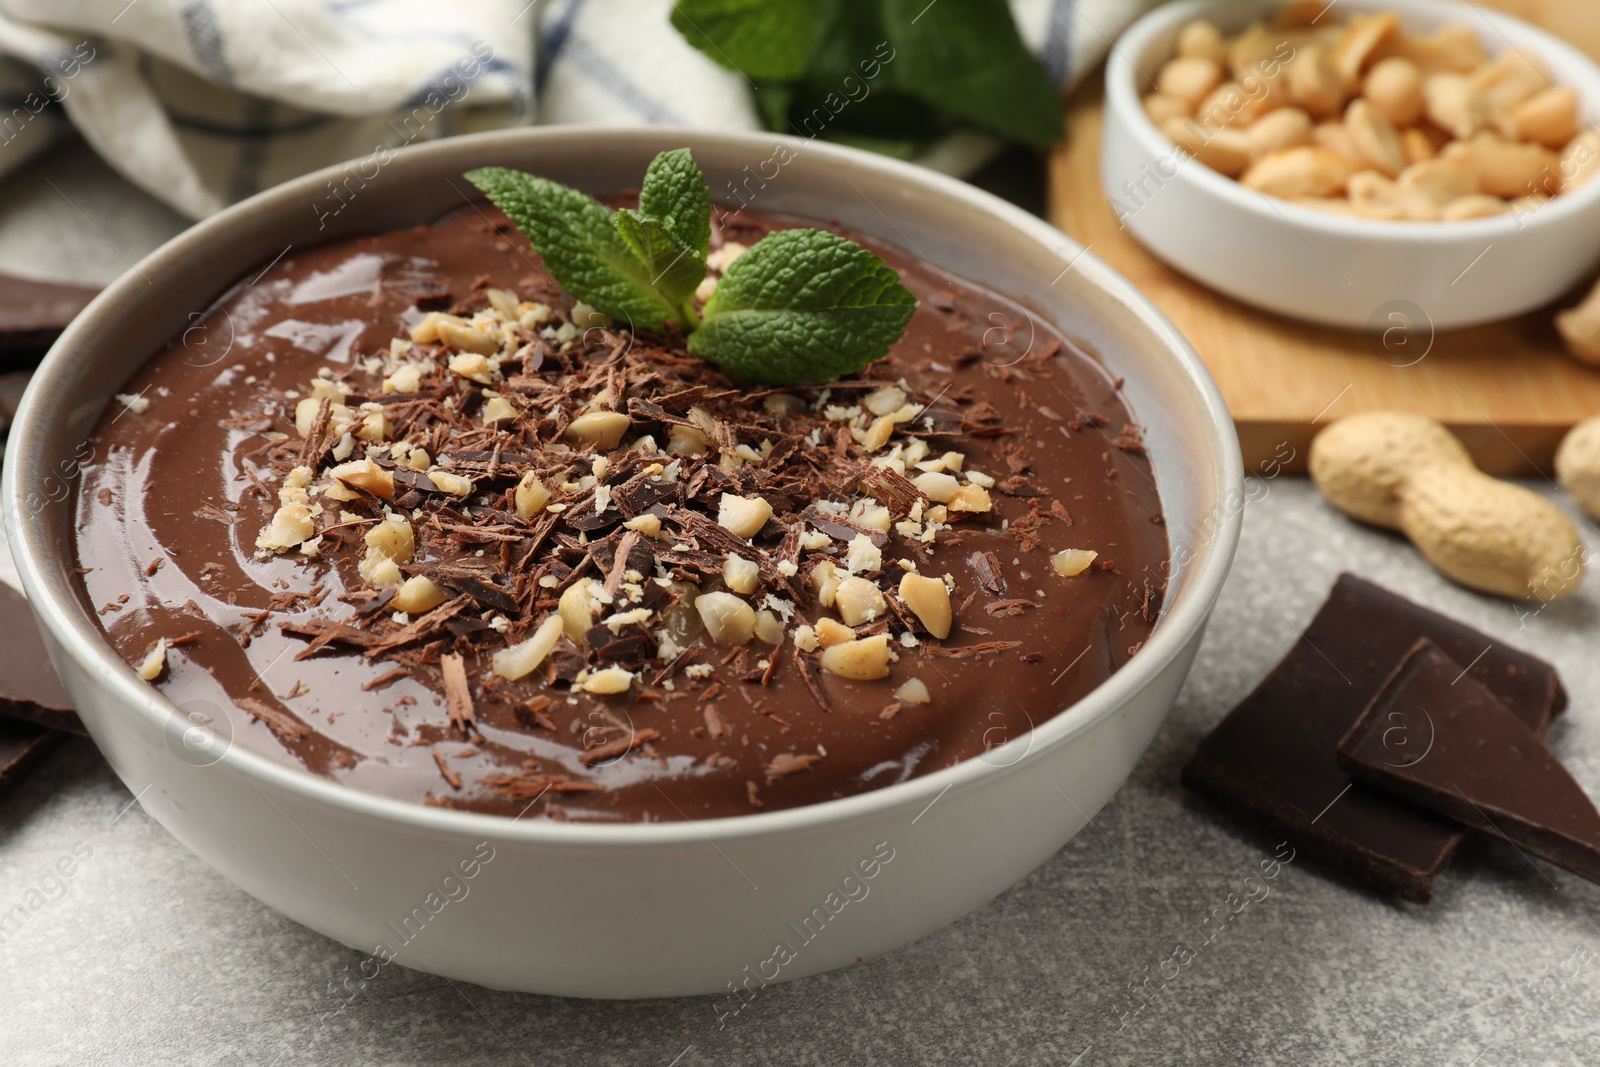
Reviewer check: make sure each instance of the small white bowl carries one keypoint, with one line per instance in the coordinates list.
(1327, 268)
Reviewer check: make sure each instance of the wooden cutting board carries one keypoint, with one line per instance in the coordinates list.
(1508, 389)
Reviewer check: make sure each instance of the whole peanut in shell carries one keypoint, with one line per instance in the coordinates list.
(1409, 473)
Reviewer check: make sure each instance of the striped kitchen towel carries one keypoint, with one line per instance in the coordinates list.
(204, 102)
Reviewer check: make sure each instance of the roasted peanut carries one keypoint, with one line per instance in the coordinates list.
(579, 604)
(1375, 196)
(1476, 206)
(1299, 172)
(1189, 78)
(858, 601)
(1440, 180)
(1394, 86)
(1453, 48)
(743, 516)
(865, 659)
(1549, 116)
(1578, 464)
(1375, 138)
(1315, 82)
(1580, 328)
(1409, 473)
(530, 496)
(1416, 145)
(418, 594)
(365, 475)
(1161, 107)
(1361, 35)
(728, 620)
(1201, 40)
(1288, 127)
(929, 601)
(1509, 78)
(1503, 168)
(1224, 151)
(830, 633)
(1455, 104)
(1580, 160)
(602, 429)
(1336, 138)
(1071, 562)
(1228, 105)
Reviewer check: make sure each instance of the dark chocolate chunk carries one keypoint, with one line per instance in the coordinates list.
(29, 688)
(21, 745)
(1274, 757)
(1436, 737)
(33, 313)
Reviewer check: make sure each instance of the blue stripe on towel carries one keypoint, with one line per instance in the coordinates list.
(553, 42)
(1058, 41)
(594, 65)
(205, 40)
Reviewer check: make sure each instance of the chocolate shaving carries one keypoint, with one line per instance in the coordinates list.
(715, 726)
(987, 568)
(284, 726)
(533, 711)
(457, 692)
(384, 680)
(840, 528)
(530, 785)
(417, 629)
(787, 763)
(894, 491)
(808, 675)
(485, 593)
(984, 648)
(444, 768)
(621, 746)
(324, 634)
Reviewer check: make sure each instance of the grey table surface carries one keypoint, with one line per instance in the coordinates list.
(146, 956)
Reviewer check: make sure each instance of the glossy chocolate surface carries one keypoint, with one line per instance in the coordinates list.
(168, 519)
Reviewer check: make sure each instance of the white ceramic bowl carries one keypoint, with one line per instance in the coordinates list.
(1329, 268)
(631, 910)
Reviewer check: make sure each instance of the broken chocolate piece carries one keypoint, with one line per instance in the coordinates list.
(29, 688)
(21, 745)
(1436, 737)
(33, 313)
(1274, 757)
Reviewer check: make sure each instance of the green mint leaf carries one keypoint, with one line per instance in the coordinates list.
(675, 194)
(967, 59)
(802, 305)
(579, 244)
(673, 269)
(764, 40)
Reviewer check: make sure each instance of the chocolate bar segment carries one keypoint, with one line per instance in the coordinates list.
(21, 745)
(33, 313)
(1436, 737)
(29, 687)
(1274, 758)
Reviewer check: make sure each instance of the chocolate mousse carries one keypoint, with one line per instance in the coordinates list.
(432, 529)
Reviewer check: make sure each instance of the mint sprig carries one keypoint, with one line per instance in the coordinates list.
(579, 242)
(801, 305)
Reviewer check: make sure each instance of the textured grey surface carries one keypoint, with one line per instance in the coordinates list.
(144, 955)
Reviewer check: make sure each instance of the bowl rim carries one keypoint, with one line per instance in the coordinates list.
(79, 639)
(1123, 106)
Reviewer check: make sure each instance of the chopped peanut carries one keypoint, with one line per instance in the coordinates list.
(865, 659)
